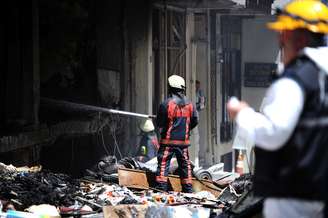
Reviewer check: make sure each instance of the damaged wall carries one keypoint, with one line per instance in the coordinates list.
(68, 72)
(19, 90)
(142, 47)
(109, 52)
(68, 51)
(3, 51)
(138, 77)
(97, 53)
(123, 79)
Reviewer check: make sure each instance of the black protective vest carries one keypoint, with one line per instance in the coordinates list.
(296, 170)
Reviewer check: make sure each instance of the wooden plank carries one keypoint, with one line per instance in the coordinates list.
(133, 178)
(144, 180)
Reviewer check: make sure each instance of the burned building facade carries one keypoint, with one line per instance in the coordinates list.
(118, 54)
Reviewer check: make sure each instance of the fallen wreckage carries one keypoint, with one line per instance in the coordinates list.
(123, 189)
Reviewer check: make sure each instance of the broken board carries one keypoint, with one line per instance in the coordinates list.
(145, 180)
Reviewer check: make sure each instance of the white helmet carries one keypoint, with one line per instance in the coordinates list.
(176, 81)
(147, 126)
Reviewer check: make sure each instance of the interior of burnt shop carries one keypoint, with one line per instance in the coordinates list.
(59, 57)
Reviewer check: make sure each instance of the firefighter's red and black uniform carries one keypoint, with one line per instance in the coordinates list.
(176, 117)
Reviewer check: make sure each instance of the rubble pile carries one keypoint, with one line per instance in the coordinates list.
(239, 198)
(24, 189)
(109, 165)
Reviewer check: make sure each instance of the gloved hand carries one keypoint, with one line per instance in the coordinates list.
(234, 106)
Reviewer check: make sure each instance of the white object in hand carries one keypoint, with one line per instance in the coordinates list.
(233, 102)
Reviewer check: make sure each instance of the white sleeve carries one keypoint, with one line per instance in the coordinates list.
(272, 128)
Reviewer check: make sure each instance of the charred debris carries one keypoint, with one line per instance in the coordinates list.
(101, 189)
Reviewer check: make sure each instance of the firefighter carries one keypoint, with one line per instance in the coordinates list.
(148, 145)
(291, 132)
(176, 117)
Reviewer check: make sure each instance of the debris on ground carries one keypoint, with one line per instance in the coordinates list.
(24, 189)
(43, 210)
(28, 188)
(154, 211)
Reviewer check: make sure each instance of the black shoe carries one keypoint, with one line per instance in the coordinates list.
(161, 187)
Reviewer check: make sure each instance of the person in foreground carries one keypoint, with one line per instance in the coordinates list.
(291, 132)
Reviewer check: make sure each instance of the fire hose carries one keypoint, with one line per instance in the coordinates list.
(88, 108)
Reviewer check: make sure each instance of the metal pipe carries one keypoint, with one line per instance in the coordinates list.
(89, 108)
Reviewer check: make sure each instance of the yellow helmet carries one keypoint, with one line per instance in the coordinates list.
(302, 14)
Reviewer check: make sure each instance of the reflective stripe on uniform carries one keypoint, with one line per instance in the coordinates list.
(187, 128)
(186, 156)
(168, 133)
(175, 142)
(171, 109)
(161, 179)
(163, 162)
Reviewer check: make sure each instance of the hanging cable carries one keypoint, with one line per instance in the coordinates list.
(103, 142)
(113, 133)
(100, 132)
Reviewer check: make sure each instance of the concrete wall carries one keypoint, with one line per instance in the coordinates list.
(125, 77)
(138, 71)
(280, 3)
(202, 74)
(139, 28)
(258, 45)
(204, 119)
(191, 73)
(198, 69)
